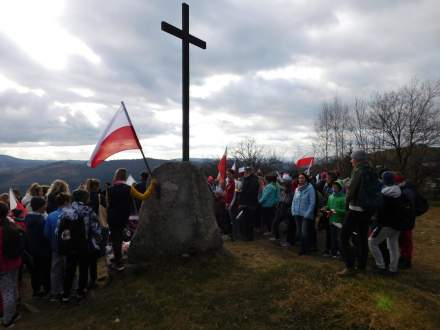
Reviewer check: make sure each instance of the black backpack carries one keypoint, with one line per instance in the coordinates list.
(71, 236)
(405, 213)
(421, 205)
(369, 191)
(14, 239)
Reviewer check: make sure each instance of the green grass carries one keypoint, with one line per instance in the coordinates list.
(259, 286)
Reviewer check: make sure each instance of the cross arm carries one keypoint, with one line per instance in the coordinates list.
(178, 33)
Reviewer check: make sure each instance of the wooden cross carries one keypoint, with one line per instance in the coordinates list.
(186, 40)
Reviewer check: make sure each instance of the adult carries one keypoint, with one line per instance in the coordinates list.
(303, 210)
(359, 204)
(268, 201)
(283, 212)
(58, 186)
(248, 200)
(405, 239)
(119, 207)
(388, 224)
(141, 187)
(34, 190)
(336, 214)
(8, 275)
(229, 199)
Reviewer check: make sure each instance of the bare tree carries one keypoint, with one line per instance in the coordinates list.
(407, 118)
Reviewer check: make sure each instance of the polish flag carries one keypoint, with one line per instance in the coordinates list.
(15, 204)
(119, 135)
(221, 167)
(305, 162)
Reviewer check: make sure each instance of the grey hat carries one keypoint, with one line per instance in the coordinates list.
(359, 155)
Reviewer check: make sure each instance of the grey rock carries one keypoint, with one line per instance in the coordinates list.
(181, 221)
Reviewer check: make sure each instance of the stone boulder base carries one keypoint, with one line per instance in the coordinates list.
(181, 221)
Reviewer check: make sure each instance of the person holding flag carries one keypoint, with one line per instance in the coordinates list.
(120, 135)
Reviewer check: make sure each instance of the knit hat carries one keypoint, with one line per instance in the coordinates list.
(338, 183)
(388, 178)
(359, 155)
(37, 203)
(398, 178)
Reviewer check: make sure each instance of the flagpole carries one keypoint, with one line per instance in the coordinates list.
(137, 139)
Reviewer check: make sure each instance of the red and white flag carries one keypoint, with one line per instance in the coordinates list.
(305, 162)
(221, 167)
(15, 204)
(119, 135)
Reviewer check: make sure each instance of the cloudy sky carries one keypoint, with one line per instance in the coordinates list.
(269, 64)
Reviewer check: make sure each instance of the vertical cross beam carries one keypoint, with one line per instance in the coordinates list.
(185, 82)
(186, 40)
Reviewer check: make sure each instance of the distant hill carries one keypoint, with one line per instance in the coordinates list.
(20, 173)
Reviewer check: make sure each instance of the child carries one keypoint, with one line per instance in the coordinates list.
(39, 247)
(9, 275)
(336, 212)
(50, 232)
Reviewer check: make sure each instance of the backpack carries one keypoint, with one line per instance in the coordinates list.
(71, 236)
(421, 205)
(405, 213)
(319, 201)
(369, 196)
(14, 239)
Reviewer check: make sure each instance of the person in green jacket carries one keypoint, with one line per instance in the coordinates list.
(336, 212)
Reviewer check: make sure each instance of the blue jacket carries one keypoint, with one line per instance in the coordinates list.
(304, 202)
(270, 196)
(38, 244)
(51, 229)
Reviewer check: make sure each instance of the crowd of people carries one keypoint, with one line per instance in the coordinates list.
(57, 236)
(369, 211)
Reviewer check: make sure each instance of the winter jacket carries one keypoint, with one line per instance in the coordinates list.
(337, 202)
(51, 228)
(304, 202)
(388, 213)
(270, 195)
(38, 244)
(120, 205)
(249, 192)
(352, 199)
(7, 265)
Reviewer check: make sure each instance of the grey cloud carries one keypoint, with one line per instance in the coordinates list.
(141, 64)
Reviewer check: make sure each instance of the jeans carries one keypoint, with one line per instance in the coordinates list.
(355, 228)
(57, 273)
(9, 292)
(247, 223)
(267, 215)
(116, 237)
(392, 237)
(335, 234)
(304, 232)
(72, 262)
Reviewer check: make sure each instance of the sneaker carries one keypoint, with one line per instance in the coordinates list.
(392, 274)
(285, 244)
(118, 267)
(346, 272)
(273, 239)
(14, 319)
(302, 253)
(379, 271)
(65, 300)
(55, 297)
(326, 254)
